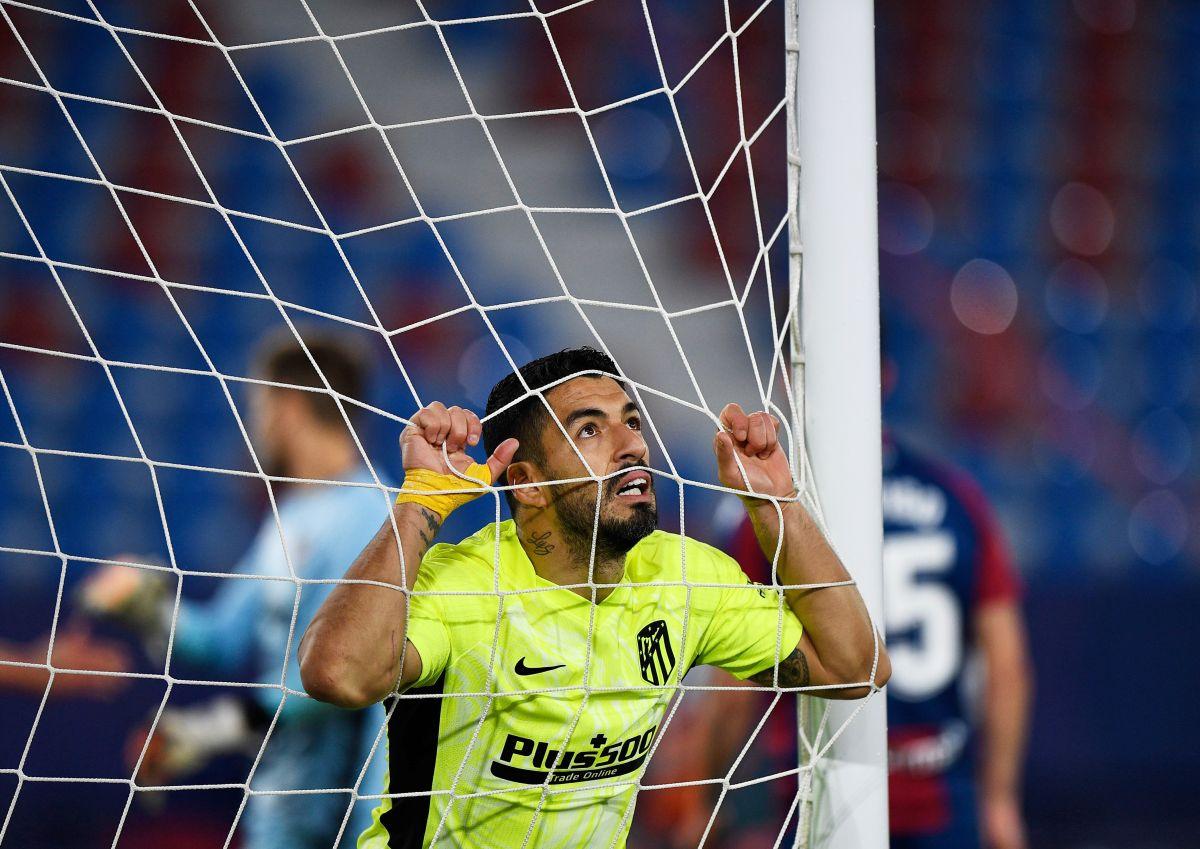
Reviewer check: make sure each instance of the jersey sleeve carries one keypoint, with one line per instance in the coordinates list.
(752, 627)
(220, 631)
(426, 624)
(996, 579)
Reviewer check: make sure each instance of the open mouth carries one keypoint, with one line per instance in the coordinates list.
(634, 485)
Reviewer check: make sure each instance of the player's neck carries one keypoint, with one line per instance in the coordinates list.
(558, 560)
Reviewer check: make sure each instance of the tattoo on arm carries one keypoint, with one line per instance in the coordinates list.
(432, 523)
(793, 672)
(541, 543)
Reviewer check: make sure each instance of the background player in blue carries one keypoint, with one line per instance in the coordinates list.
(313, 745)
(959, 702)
(956, 728)
(950, 595)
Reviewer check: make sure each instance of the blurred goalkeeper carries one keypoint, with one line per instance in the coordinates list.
(299, 434)
(538, 708)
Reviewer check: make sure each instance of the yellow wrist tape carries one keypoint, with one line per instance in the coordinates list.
(428, 488)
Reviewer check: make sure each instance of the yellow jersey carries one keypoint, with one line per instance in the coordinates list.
(537, 709)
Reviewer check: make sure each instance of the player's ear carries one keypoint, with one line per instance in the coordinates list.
(525, 472)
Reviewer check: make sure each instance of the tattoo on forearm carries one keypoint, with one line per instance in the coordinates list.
(432, 524)
(793, 672)
(541, 544)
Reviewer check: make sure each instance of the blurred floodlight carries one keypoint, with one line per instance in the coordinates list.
(1066, 449)
(1076, 296)
(1070, 372)
(1162, 446)
(1158, 527)
(984, 297)
(1167, 295)
(906, 219)
(1168, 377)
(634, 141)
(1082, 219)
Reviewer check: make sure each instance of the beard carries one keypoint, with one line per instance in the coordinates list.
(575, 505)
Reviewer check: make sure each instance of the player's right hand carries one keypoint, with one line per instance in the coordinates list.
(456, 428)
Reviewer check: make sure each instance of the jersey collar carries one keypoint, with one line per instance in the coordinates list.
(511, 549)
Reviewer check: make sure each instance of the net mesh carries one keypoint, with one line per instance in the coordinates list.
(727, 336)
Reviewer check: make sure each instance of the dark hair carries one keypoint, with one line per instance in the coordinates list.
(281, 359)
(526, 418)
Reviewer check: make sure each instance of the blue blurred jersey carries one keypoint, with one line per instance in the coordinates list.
(943, 558)
(313, 745)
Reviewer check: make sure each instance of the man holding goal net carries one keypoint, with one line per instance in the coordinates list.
(537, 658)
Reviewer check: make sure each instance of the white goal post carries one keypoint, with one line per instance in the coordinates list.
(835, 241)
(830, 224)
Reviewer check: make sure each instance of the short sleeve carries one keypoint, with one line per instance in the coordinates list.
(996, 579)
(426, 626)
(752, 627)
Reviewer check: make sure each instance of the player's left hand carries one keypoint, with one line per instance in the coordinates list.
(187, 738)
(156, 766)
(753, 439)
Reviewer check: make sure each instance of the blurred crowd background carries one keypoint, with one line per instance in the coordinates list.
(1039, 164)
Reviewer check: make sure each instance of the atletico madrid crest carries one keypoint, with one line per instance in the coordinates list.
(654, 652)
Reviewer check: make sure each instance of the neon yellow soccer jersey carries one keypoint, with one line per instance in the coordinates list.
(537, 709)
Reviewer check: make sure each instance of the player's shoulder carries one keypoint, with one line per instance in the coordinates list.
(468, 563)
(902, 459)
(961, 495)
(325, 524)
(664, 555)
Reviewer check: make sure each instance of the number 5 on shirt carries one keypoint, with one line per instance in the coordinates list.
(923, 616)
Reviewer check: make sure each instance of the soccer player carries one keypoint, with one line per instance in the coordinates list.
(950, 595)
(539, 654)
(299, 434)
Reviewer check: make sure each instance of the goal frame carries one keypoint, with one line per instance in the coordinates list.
(833, 247)
(832, 231)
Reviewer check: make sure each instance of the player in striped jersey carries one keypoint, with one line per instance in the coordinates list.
(956, 732)
(538, 656)
(960, 694)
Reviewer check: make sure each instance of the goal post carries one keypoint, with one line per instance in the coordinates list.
(833, 150)
(645, 218)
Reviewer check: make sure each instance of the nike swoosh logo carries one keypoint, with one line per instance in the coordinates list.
(522, 669)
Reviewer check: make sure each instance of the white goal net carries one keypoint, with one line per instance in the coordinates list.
(456, 187)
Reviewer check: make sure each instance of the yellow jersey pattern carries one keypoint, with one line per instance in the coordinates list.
(536, 709)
